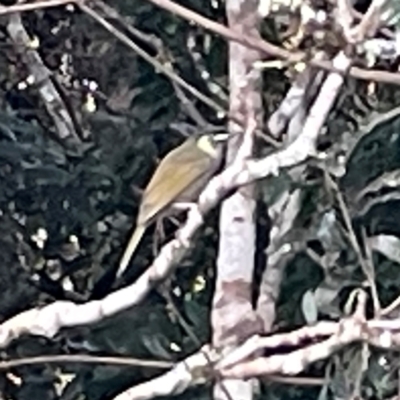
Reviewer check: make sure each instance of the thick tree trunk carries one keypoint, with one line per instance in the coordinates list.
(233, 317)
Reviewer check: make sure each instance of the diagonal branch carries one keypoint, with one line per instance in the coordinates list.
(168, 71)
(270, 49)
(52, 100)
(254, 43)
(192, 371)
(50, 319)
(310, 343)
(165, 69)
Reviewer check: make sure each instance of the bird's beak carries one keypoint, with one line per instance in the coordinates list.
(221, 137)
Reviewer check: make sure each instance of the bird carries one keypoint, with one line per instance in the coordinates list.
(179, 178)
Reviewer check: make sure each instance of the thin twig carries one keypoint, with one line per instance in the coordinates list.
(42, 79)
(181, 319)
(167, 71)
(295, 380)
(268, 48)
(110, 12)
(37, 5)
(157, 45)
(391, 307)
(369, 23)
(189, 106)
(367, 268)
(84, 358)
(252, 42)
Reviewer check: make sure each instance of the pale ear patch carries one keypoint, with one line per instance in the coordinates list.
(206, 145)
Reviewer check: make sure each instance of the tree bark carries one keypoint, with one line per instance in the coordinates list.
(233, 317)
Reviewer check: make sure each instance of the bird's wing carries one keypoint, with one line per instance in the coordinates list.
(168, 182)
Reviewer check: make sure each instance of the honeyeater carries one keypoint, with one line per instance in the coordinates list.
(179, 178)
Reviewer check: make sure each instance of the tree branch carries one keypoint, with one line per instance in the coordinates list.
(270, 49)
(326, 338)
(50, 319)
(254, 43)
(52, 100)
(165, 69)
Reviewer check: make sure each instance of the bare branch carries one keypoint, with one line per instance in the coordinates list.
(367, 267)
(37, 5)
(110, 12)
(193, 371)
(391, 308)
(292, 363)
(293, 100)
(50, 319)
(233, 317)
(254, 43)
(165, 69)
(83, 359)
(190, 107)
(284, 212)
(380, 333)
(270, 49)
(369, 22)
(243, 362)
(345, 16)
(52, 100)
(239, 364)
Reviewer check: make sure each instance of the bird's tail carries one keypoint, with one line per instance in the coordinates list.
(133, 243)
